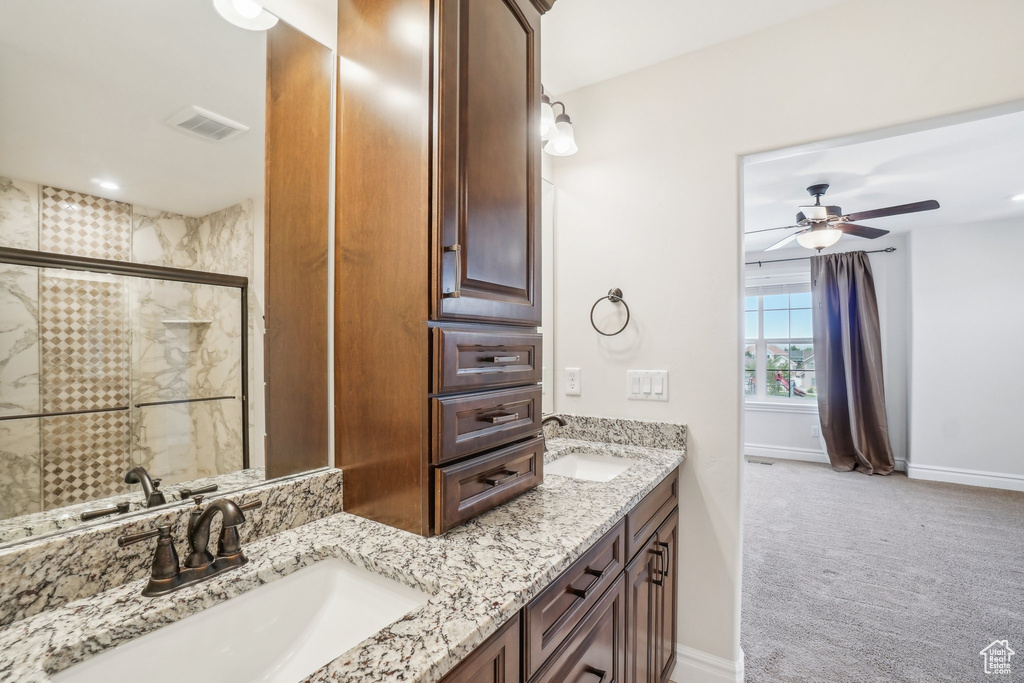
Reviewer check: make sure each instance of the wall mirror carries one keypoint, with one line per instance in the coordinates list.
(147, 158)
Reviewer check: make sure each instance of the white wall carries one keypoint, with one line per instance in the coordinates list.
(650, 204)
(967, 320)
(775, 431)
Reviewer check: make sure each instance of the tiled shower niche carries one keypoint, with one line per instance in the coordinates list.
(101, 372)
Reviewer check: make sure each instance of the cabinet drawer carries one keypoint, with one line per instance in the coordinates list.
(466, 359)
(466, 489)
(645, 518)
(496, 661)
(596, 649)
(552, 615)
(471, 424)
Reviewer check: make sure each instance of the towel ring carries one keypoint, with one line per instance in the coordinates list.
(615, 296)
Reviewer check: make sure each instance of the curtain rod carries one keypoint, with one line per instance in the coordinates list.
(887, 250)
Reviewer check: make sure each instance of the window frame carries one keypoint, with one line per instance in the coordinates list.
(762, 397)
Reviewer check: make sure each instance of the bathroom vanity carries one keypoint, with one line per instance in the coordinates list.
(561, 579)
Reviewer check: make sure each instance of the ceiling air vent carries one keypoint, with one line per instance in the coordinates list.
(205, 124)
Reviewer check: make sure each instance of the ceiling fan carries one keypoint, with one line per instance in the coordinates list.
(824, 225)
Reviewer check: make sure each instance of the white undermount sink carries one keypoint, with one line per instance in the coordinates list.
(280, 632)
(589, 466)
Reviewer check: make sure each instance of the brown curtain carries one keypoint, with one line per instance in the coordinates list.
(848, 364)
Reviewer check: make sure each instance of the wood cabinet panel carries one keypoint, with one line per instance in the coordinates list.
(642, 521)
(466, 359)
(596, 649)
(298, 134)
(382, 257)
(488, 211)
(551, 616)
(667, 599)
(642, 614)
(466, 489)
(471, 424)
(496, 661)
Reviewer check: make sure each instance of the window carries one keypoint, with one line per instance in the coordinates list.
(778, 354)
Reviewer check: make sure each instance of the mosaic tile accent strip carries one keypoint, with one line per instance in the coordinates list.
(84, 457)
(84, 225)
(85, 347)
(19, 214)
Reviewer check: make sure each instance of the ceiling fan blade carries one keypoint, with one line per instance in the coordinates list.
(914, 207)
(781, 227)
(784, 241)
(860, 230)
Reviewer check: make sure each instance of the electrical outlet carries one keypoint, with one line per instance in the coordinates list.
(815, 432)
(572, 382)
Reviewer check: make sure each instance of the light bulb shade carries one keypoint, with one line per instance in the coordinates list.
(563, 142)
(819, 239)
(547, 118)
(247, 14)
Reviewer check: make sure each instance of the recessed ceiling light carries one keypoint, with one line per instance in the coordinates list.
(106, 184)
(1018, 197)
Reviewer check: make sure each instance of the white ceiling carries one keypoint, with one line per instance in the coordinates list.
(87, 86)
(586, 41)
(972, 169)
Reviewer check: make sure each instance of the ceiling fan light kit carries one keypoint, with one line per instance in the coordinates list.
(824, 225)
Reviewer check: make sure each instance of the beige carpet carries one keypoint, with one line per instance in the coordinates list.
(854, 578)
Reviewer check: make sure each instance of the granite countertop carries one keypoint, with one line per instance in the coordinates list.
(479, 575)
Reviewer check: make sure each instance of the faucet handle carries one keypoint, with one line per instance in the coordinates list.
(131, 539)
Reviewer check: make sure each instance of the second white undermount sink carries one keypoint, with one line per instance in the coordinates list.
(589, 466)
(279, 633)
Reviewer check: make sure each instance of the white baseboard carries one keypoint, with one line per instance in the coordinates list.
(802, 454)
(956, 475)
(697, 666)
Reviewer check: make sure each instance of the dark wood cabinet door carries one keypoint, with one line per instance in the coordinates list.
(487, 213)
(496, 661)
(667, 597)
(642, 613)
(594, 651)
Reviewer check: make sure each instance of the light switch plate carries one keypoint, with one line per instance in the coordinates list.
(647, 385)
(572, 382)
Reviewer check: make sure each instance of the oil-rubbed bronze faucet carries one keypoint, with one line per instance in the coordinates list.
(150, 487)
(553, 418)
(167, 574)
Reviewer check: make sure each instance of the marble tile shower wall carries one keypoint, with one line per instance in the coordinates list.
(81, 341)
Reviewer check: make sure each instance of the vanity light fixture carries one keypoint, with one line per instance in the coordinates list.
(562, 142)
(247, 14)
(547, 117)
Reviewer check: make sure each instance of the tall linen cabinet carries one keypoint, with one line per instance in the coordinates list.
(437, 288)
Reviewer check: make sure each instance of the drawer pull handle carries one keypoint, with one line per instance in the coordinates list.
(668, 558)
(659, 571)
(505, 476)
(502, 359)
(502, 418)
(597, 574)
(600, 673)
(456, 292)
